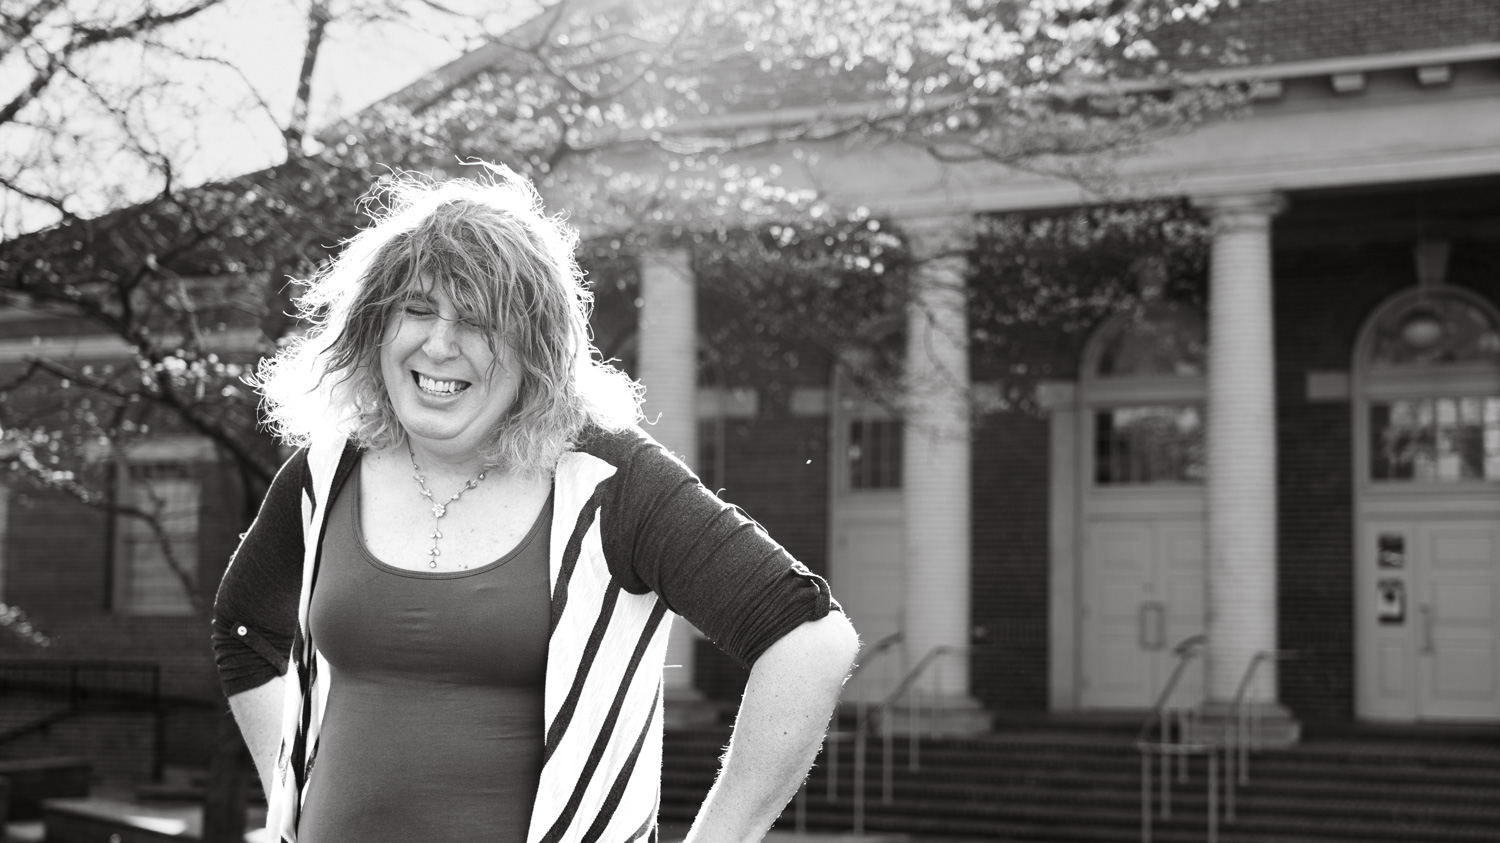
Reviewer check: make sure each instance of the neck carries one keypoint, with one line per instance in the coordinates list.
(439, 463)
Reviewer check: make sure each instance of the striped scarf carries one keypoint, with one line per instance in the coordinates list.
(601, 771)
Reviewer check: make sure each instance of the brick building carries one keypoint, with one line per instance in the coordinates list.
(1311, 463)
(1308, 465)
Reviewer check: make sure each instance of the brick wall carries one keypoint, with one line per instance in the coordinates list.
(58, 555)
(1010, 553)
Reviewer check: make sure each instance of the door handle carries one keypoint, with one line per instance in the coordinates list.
(1429, 642)
(1145, 627)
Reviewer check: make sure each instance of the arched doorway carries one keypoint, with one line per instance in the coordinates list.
(1141, 531)
(1426, 404)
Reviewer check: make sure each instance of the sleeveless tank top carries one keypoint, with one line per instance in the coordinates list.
(434, 725)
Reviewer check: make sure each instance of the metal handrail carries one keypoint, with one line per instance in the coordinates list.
(1161, 716)
(1185, 650)
(1246, 727)
(878, 715)
(83, 685)
(874, 651)
(835, 735)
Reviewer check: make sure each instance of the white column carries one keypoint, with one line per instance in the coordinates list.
(936, 461)
(1241, 446)
(668, 367)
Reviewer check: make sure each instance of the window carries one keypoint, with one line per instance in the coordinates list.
(874, 454)
(1431, 409)
(1165, 340)
(1439, 439)
(1435, 330)
(1146, 389)
(147, 583)
(1155, 444)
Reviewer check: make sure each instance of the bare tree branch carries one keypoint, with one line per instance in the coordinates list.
(85, 37)
(318, 17)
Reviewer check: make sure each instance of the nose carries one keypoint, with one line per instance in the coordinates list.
(442, 340)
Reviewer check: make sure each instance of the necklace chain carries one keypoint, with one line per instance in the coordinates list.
(438, 509)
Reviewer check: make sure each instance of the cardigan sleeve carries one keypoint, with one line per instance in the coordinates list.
(709, 561)
(255, 609)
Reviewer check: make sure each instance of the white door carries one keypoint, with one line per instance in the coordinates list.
(1143, 581)
(1459, 654)
(1432, 617)
(866, 572)
(867, 538)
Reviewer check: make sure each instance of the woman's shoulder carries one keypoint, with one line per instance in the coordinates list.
(629, 447)
(295, 477)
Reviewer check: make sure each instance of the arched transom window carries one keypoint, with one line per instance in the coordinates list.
(1432, 389)
(1144, 381)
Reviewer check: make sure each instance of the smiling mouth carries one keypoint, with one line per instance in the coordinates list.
(435, 386)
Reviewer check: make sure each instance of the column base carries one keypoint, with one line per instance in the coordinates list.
(687, 708)
(945, 715)
(1270, 724)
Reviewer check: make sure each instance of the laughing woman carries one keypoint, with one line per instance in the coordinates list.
(448, 621)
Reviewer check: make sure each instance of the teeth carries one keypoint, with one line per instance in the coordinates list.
(440, 387)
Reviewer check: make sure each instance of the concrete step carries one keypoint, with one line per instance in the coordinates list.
(1056, 785)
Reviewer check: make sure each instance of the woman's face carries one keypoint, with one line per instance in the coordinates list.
(448, 390)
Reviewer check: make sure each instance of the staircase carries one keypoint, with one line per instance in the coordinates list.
(1081, 784)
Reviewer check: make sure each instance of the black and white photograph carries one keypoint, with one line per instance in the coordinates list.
(723, 421)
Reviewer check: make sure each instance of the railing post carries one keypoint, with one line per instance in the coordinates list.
(1244, 749)
(1145, 795)
(859, 778)
(913, 755)
(833, 766)
(1165, 725)
(1183, 736)
(1166, 784)
(1229, 753)
(887, 751)
(1213, 797)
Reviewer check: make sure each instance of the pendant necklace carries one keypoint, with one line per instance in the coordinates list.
(438, 509)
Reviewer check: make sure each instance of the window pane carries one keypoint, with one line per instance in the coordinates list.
(152, 586)
(874, 455)
(1435, 439)
(1492, 437)
(1159, 444)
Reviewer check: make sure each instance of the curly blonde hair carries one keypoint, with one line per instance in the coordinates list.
(490, 248)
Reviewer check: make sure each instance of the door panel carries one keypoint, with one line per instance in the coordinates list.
(1435, 653)
(1183, 553)
(866, 571)
(1460, 634)
(1143, 578)
(1117, 670)
(1387, 662)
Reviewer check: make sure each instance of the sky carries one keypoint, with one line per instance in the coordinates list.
(357, 66)
(222, 118)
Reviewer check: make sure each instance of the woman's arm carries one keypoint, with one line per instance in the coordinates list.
(258, 713)
(783, 716)
(255, 616)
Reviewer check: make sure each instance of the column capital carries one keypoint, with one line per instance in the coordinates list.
(1241, 211)
(678, 258)
(938, 236)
